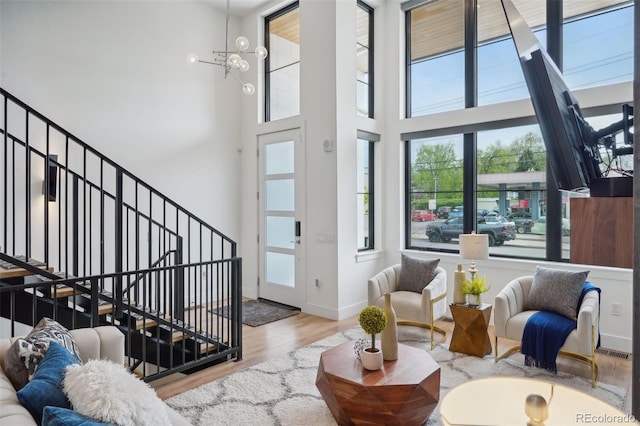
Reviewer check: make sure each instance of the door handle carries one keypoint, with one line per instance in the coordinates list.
(297, 232)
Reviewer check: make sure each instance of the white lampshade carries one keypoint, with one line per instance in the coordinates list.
(474, 246)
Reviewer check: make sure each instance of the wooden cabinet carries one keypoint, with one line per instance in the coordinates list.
(602, 231)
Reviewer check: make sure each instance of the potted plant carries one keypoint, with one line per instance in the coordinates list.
(372, 320)
(475, 287)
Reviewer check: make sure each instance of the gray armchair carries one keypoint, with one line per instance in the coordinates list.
(417, 309)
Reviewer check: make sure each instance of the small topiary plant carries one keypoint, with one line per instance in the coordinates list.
(372, 320)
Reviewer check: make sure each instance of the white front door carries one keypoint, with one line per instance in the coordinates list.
(281, 213)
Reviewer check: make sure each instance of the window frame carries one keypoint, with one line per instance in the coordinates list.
(371, 139)
(370, 11)
(267, 65)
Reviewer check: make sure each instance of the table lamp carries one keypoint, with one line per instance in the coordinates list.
(475, 247)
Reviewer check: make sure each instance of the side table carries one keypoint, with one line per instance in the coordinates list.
(470, 329)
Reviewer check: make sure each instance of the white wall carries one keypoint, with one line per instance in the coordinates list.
(115, 74)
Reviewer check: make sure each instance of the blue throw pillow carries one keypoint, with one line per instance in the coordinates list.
(45, 388)
(58, 416)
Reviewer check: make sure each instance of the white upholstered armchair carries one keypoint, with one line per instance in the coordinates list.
(510, 318)
(417, 309)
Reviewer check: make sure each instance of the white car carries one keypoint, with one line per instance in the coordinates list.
(540, 226)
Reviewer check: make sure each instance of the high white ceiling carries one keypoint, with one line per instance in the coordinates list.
(237, 8)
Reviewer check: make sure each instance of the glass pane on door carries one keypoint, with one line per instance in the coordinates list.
(280, 269)
(280, 232)
(279, 204)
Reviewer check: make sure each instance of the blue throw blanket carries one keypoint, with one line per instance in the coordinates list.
(545, 333)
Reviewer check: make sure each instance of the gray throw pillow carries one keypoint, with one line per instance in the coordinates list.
(416, 274)
(556, 291)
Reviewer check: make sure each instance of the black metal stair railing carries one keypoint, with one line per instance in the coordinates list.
(156, 345)
(83, 215)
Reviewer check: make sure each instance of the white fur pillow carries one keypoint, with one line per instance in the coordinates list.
(108, 392)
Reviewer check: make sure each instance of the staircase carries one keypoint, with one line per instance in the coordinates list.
(85, 242)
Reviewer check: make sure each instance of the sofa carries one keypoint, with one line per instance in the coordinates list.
(105, 342)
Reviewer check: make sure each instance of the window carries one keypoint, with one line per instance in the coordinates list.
(366, 190)
(598, 44)
(282, 70)
(364, 59)
(434, 180)
(435, 57)
(511, 191)
(500, 75)
(505, 154)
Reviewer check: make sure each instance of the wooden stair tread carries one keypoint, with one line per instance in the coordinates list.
(140, 322)
(207, 345)
(9, 270)
(62, 290)
(148, 322)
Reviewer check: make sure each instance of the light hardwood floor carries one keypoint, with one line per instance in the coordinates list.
(280, 337)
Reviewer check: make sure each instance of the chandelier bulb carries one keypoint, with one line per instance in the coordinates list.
(234, 60)
(248, 89)
(261, 52)
(242, 43)
(244, 66)
(192, 58)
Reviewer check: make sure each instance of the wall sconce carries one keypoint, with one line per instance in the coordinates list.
(50, 184)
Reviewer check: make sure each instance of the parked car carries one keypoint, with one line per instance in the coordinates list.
(523, 222)
(457, 211)
(540, 226)
(422, 216)
(443, 212)
(498, 231)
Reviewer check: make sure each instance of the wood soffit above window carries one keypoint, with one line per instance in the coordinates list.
(288, 27)
(438, 27)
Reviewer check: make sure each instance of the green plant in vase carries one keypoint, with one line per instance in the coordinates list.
(475, 287)
(372, 320)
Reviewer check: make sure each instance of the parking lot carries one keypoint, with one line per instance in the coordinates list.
(525, 245)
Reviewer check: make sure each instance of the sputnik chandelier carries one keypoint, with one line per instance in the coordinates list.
(230, 61)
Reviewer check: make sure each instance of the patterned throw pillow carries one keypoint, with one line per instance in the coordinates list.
(23, 356)
(556, 291)
(416, 274)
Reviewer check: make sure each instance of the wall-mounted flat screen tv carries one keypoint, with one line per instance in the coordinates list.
(572, 144)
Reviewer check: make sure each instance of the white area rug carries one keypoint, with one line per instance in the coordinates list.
(282, 391)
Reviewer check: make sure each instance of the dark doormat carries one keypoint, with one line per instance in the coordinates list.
(259, 312)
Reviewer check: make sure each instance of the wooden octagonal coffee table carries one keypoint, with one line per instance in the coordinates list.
(402, 392)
